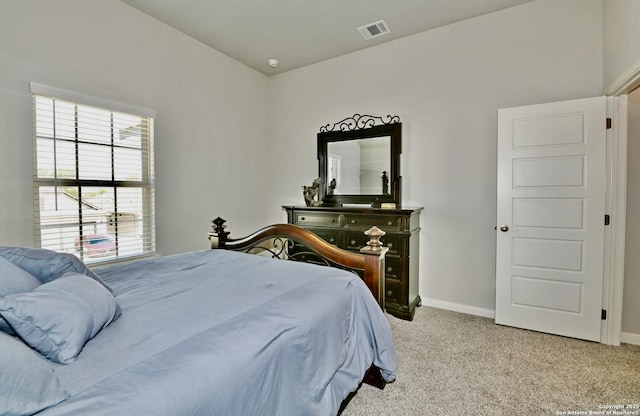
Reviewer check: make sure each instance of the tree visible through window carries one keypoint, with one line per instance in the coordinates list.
(93, 180)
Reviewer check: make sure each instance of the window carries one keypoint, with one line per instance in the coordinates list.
(334, 172)
(93, 176)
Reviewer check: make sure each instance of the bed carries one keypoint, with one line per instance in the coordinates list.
(213, 332)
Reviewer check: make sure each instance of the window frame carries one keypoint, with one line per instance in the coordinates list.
(146, 182)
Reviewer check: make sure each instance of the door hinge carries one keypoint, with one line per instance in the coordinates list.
(607, 219)
(604, 314)
(609, 123)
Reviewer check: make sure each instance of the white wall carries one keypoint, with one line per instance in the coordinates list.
(211, 112)
(446, 85)
(621, 21)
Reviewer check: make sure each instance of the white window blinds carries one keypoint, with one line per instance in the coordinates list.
(93, 176)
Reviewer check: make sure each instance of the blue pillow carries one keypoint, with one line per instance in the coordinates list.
(14, 280)
(59, 317)
(47, 265)
(28, 382)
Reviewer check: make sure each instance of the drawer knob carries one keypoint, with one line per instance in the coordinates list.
(389, 292)
(389, 245)
(389, 223)
(333, 220)
(302, 218)
(353, 221)
(353, 242)
(389, 269)
(332, 240)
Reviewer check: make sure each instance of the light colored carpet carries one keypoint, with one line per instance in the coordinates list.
(456, 364)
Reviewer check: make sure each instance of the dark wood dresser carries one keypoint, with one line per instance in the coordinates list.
(345, 226)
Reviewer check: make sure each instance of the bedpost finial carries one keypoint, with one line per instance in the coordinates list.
(374, 233)
(218, 228)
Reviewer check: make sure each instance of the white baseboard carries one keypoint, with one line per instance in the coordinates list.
(629, 338)
(458, 307)
(625, 337)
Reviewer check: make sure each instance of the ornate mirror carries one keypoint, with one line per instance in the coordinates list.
(359, 161)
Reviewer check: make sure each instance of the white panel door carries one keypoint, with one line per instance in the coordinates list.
(551, 201)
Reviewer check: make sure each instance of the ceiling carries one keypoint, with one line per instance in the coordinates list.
(302, 32)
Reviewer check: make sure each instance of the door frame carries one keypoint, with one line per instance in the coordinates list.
(617, 203)
(614, 234)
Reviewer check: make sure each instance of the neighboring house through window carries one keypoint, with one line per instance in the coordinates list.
(93, 176)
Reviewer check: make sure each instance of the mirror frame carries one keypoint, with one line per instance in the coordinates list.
(354, 128)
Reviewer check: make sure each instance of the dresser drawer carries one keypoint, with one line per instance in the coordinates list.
(393, 291)
(382, 221)
(393, 267)
(318, 219)
(355, 240)
(332, 236)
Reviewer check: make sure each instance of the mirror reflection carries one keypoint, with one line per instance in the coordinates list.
(359, 161)
(359, 167)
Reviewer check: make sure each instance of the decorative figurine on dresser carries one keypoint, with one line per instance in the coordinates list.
(360, 187)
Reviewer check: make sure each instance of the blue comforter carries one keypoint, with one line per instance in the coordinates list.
(224, 333)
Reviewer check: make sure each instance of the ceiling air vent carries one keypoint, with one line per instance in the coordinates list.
(373, 30)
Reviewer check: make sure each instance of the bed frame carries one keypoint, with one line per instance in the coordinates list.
(290, 242)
